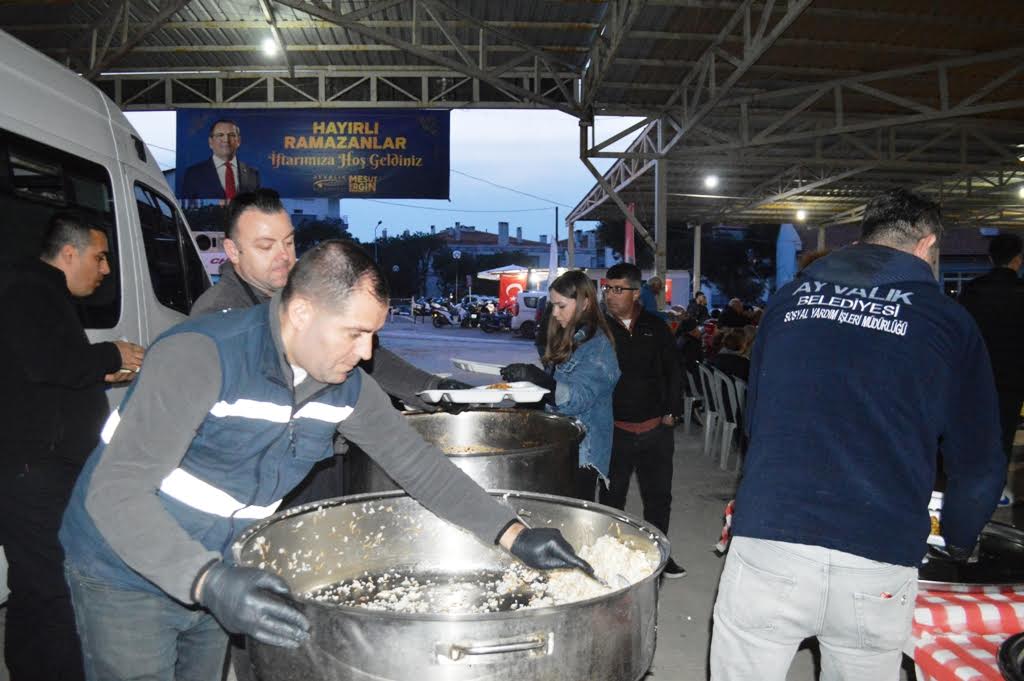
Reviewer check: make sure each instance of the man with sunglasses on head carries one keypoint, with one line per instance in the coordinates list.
(221, 176)
(645, 402)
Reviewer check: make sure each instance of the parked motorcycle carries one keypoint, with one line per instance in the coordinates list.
(443, 314)
(497, 321)
(470, 315)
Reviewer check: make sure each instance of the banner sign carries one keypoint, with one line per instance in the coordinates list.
(313, 153)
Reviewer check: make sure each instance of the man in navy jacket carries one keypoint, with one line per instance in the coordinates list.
(996, 301)
(863, 371)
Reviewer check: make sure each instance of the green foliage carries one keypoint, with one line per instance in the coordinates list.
(309, 233)
(739, 264)
(446, 268)
(411, 254)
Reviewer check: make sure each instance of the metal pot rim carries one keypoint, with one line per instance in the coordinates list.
(654, 533)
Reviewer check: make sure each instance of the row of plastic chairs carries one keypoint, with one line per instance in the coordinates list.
(722, 399)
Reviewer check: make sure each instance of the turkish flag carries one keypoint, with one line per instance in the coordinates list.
(509, 286)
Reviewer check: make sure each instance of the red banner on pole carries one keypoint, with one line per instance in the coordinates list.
(509, 286)
(629, 251)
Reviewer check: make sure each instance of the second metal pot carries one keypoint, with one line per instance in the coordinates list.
(517, 449)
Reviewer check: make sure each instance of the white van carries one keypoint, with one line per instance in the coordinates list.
(531, 305)
(65, 146)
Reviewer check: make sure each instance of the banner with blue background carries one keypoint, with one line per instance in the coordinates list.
(311, 153)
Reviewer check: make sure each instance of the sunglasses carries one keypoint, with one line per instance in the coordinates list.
(618, 289)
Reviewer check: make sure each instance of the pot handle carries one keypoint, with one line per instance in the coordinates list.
(581, 432)
(457, 651)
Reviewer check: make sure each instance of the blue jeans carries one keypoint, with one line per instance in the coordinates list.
(139, 636)
(773, 594)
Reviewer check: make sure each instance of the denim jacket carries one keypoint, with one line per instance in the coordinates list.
(585, 383)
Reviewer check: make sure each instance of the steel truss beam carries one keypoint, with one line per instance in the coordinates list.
(818, 112)
(128, 42)
(327, 88)
(700, 90)
(438, 12)
(619, 17)
(271, 17)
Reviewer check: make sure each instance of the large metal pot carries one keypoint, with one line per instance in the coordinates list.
(519, 449)
(609, 638)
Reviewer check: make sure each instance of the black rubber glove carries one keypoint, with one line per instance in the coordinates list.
(546, 549)
(528, 372)
(452, 384)
(445, 404)
(248, 601)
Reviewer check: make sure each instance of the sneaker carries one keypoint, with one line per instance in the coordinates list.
(673, 570)
(1007, 498)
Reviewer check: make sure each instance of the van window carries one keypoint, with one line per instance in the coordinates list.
(174, 266)
(531, 301)
(37, 181)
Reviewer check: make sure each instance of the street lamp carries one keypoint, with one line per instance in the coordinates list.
(375, 228)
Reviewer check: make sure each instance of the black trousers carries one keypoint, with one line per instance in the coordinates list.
(40, 636)
(650, 456)
(1009, 418)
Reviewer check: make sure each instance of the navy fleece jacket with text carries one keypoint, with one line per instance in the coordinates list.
(862, 373)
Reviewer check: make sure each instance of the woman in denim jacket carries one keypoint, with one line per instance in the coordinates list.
(580, 351)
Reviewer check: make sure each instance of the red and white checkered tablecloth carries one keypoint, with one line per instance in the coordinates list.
(956, 636)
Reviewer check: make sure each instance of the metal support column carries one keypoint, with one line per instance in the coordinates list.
(696, 258)
(821, 238)
(661, 219)
(570, 228)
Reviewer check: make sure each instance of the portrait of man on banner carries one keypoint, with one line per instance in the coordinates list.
(222, 175)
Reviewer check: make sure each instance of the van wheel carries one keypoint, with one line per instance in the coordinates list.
(528, 330)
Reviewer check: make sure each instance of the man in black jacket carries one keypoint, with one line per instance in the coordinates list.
(53, 406)
(645, 403)
(996, 301)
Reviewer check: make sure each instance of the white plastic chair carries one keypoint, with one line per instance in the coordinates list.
(690, 401)
(712, 408)
(729, 417)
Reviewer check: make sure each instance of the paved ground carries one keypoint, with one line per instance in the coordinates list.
(700, 491)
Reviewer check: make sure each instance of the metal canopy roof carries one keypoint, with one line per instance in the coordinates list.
(809, 104)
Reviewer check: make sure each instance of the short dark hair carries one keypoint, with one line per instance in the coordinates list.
(264, 200)
(223, 120)
(627, 271)
(64, 229)
(1003, 248)
(900, 218)
(328, 274)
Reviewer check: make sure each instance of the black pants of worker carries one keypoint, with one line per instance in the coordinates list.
(40, 637)
(1009, 418)
(650, 456)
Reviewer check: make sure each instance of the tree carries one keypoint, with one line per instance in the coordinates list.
(411, 254)
(445, 266)
(309, 233)
(739, 261)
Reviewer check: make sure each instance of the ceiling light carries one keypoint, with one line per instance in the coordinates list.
(269, 47)
(801, 215)
(711, 181)
(1020, 192)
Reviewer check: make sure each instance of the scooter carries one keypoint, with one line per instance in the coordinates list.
(443, 315)
(498, 321)
(470, 316)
